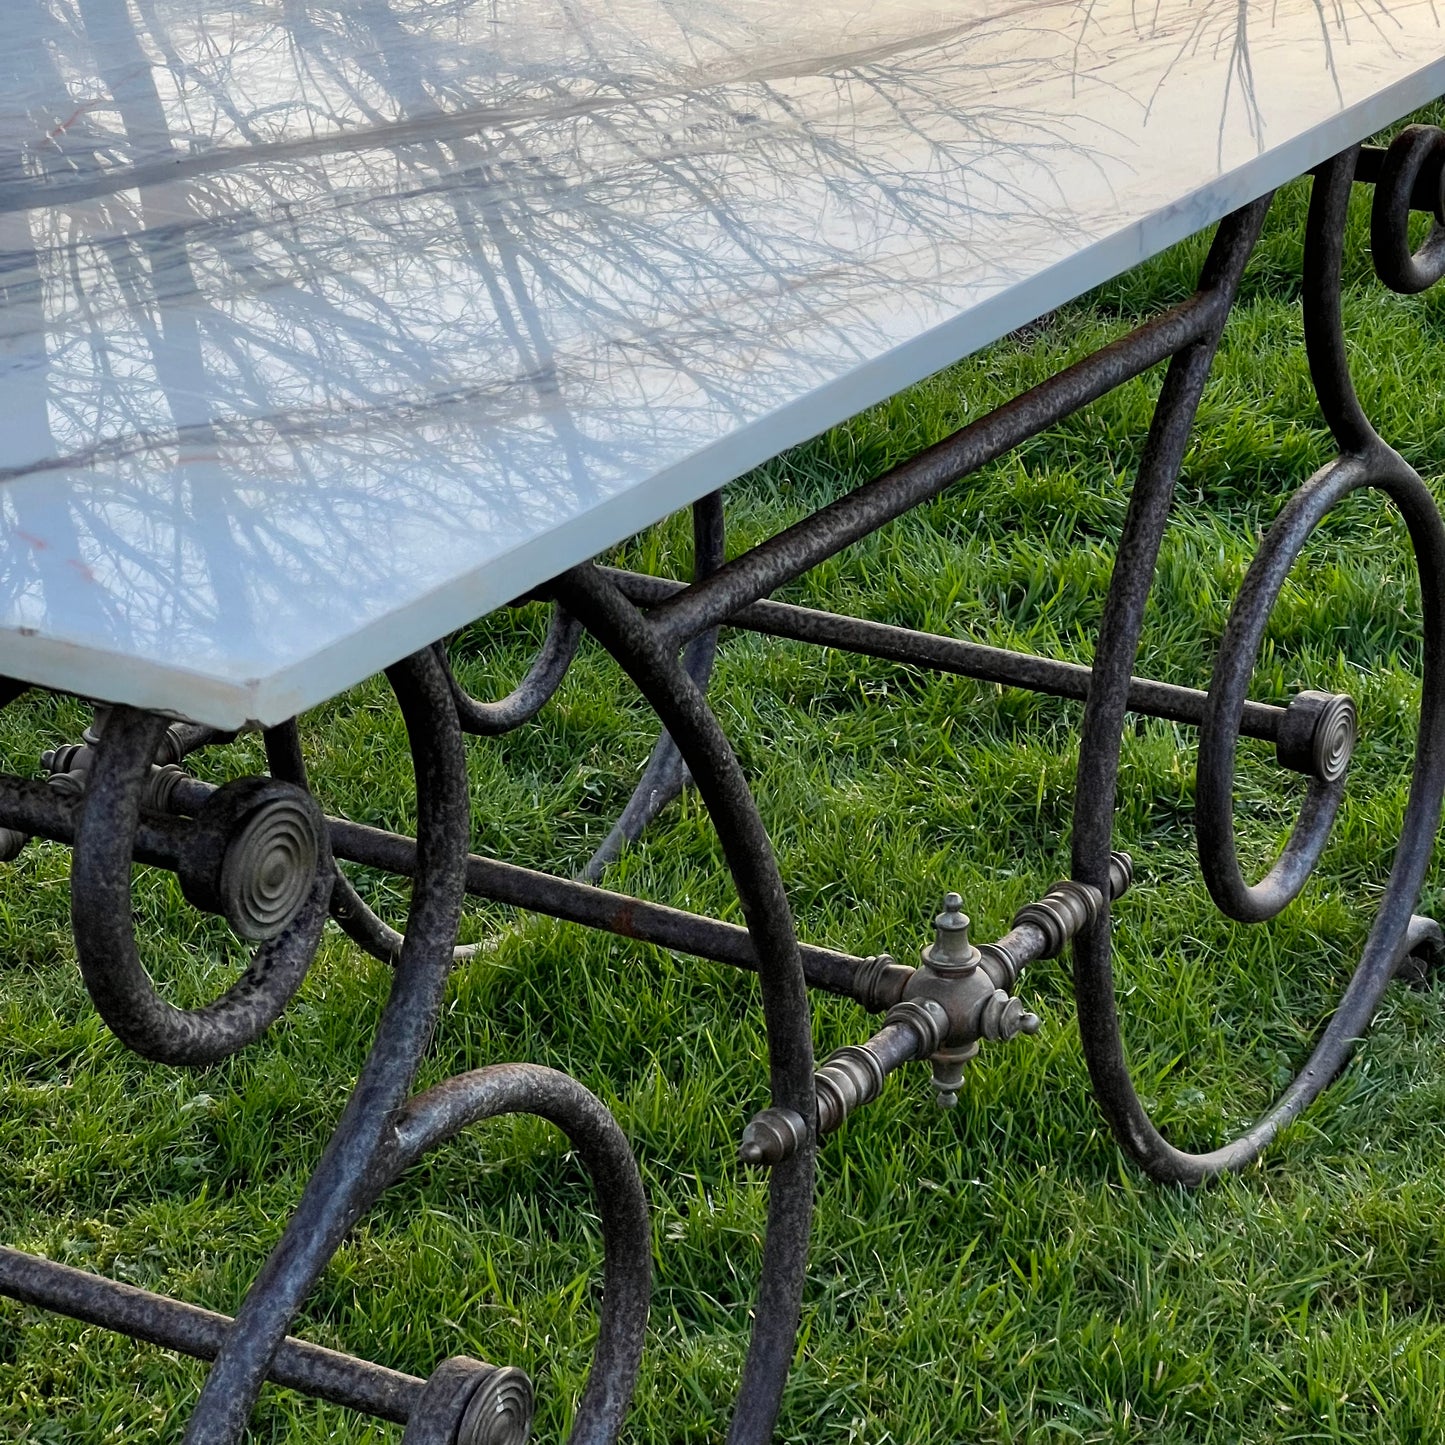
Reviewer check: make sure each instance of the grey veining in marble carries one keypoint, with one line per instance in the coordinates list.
(326, 327)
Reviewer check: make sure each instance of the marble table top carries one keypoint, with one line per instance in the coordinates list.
(330, 325)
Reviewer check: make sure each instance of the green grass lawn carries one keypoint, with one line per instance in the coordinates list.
(996, 1273)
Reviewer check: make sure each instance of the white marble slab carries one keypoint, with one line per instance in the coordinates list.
(327, 327)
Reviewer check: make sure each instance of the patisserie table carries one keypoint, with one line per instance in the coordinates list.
(330, 328)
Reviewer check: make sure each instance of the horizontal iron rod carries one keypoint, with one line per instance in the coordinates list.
(189, 1330)
(599, 908)
(948, 654)
(33, 807)
(798, 548)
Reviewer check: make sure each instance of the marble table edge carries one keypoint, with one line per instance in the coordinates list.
(219, 701)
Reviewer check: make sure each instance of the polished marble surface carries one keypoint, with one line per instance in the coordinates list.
(327, 327)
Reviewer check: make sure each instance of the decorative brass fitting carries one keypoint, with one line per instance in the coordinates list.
(952, 977)
(958, 996)
(1041, 929)
(772, 1136)
(951, 952)
(1318, 735)
(68, 766)
(849, 1078)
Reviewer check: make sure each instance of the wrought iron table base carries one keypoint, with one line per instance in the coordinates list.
(260, 853)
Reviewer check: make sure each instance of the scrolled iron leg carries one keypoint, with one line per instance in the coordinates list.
(1365, 462)
(442, 1112)
(338, 1191)
(655, 668)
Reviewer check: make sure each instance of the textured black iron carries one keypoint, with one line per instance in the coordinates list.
(665, 774)
(357, 921)
(100, 881)
(618, 913)
(1424, 194)
(352, 913)
(1365, 462)
(466, 1402)
(1214, 789)
(792, 552)
(36, 808)
(497, 1399)
(653, 666)
(1423, 954)
(183, 739)
(162, 841)
(532, 694)
(1412, 163)
(663, 778)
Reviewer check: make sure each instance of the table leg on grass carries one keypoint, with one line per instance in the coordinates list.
(1365, 462)
(684, 712)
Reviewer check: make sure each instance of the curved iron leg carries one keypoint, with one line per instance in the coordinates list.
(1114, 655)
(1366, 461)
(685, 714)
(336, 1192)
(663, 779)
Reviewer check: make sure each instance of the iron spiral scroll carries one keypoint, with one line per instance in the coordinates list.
(256, 851)
(1322, 737)
(258, 855)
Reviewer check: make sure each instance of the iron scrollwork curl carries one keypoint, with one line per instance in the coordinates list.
(1414, 162)
(1320, 736)
(432, 1118)
(1303, 513)
(276, 869)
(489, 719)
(1365, 461)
